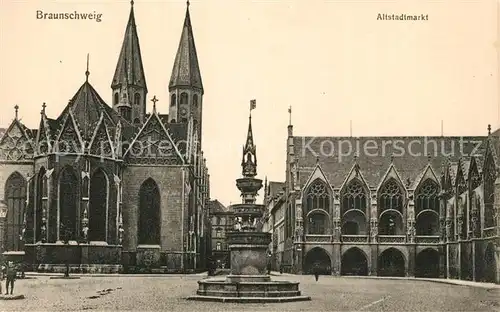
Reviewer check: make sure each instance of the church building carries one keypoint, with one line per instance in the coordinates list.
(388, 206)
(111, 188)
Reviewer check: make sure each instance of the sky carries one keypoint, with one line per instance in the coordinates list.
(331, 61)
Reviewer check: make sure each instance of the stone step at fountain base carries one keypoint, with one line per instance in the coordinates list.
(251, 290)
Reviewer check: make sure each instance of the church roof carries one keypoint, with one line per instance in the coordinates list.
(129, 69)
(86, 106)
(409, 159)
(186, 70)
(2, 132)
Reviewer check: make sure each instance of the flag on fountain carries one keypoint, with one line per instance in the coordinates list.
(253, 104)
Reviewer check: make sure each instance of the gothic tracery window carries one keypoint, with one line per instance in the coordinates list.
(391, 196)
(149, 213)
(68, 185)
(318, 196)
(354, 197)
(137, 99)
(98, 206)
(489, 184)
(15, 193)
(173, 100)
(427, 196)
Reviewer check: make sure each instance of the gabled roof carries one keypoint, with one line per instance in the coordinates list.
(86, 106)
(129, 69)
(186, 70)
(16, 143)
(216, 206)
(274, 188)
(374, 156)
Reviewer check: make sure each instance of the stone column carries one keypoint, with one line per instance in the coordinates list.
(336, 218)
(46, 203)
(373, 234)
(119, 216)
(3, 215)
(84, 209)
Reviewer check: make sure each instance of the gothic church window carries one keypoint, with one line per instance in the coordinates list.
(116, 99)
(317, 223)
(98, 206)
(149, 213)
(184, 98)
(68, 185)
(137, 99)
(489, 193)
(15, 193)
(40, 189)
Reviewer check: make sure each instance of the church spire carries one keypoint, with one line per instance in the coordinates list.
(129, 81)
(186, 70)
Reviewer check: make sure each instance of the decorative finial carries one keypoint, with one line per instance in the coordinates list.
(290, 115)
(489, 129)
(87, 73)
(16, 109)
(132, 3)
(43, 108)
(154, 100)
(429, 157)
(187, 2)
(317, 160)
(392, 157)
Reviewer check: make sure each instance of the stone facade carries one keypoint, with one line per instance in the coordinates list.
(221, 222)
(111, 188)
(354, 210)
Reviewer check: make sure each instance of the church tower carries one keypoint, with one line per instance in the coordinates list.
(129, 82)
(185, 87)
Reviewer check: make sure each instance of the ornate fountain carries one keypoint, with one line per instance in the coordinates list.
(248, 280)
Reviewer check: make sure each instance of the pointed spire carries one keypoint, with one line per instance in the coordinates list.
(87, 73)
(16, 108)
(249, 161)
(186, 70)
(129, 67)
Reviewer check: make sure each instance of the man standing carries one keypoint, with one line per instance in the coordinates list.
(11, 277)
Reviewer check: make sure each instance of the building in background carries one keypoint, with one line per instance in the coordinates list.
(393, 206)
(221, 221)
(107, 188)
(274, 222)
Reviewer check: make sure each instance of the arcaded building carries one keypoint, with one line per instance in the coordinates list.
(111, 187)
(393, 206)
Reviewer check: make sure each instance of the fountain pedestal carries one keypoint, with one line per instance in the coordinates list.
(248, 280)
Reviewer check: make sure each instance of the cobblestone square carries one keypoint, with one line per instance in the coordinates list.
(168, 293)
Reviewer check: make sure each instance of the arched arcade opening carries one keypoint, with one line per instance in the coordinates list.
(354, 262)
(427, 263)
(391, 262)
(317, 258)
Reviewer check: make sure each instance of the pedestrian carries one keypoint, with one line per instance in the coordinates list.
(281, 268)
(11, 277)
(316, 272)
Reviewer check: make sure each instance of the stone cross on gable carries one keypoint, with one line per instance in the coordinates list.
(154, 100)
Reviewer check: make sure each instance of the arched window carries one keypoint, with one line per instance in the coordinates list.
(116, 98)
(137, 98)
(15, 193)
(184, 98)
(40, 192)
(149, 213)
(173, 100)
(489, 194)
(68, 186)
(317, 196)
(391, 196)
(427, 197)
(98, 203)
(353, 197)
(125, 112)
(195, 100)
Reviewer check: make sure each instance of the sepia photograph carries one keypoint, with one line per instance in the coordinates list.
(271, 155)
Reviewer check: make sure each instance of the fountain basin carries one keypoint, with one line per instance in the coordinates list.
(227, 290)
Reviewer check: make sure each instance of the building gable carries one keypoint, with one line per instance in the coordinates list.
(69, 139)
(16, 144)
(101, 144)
